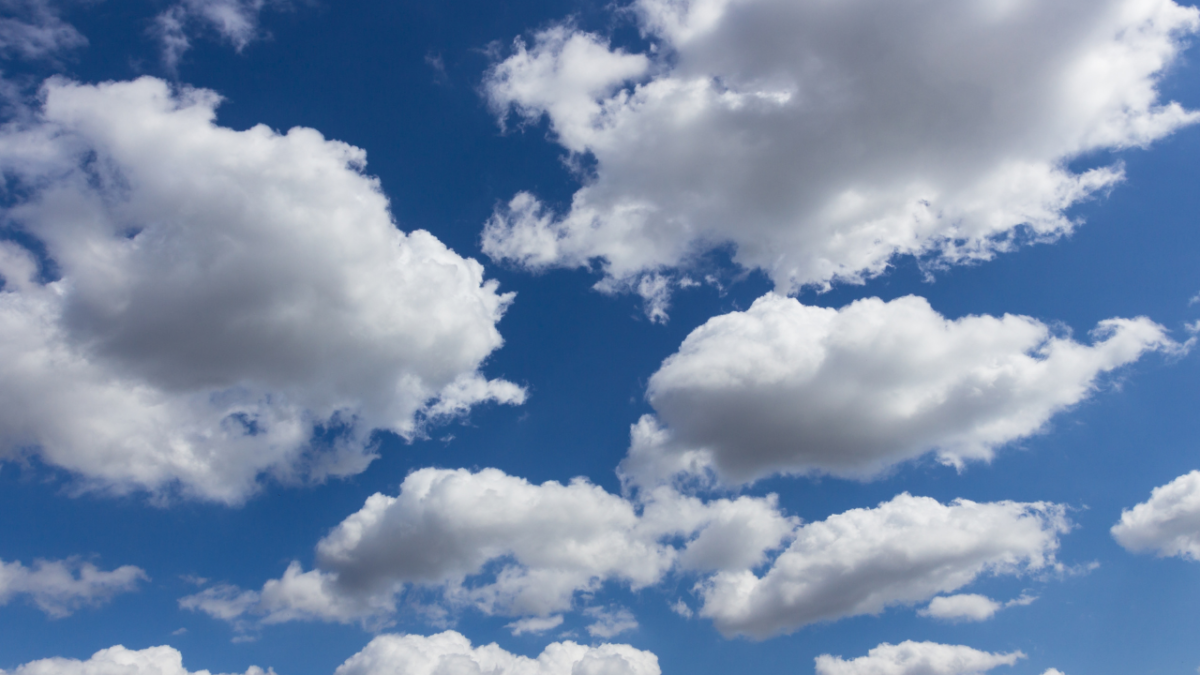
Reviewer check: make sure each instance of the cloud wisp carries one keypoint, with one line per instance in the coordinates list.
(61, 587)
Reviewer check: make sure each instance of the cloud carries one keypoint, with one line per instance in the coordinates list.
(609, 623)
(535, 624)
(34, 30)
(119, 661)
(222, 297)
(969, 607)
(504, 546)
(450, 652)
(917, 658)
(819, 144)
(901, 552)
(1168, 523)
(789, 388)
(60, 587)
(235, 21)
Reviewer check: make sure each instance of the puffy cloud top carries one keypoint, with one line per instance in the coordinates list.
(450, 652)
(119, 661)
(785, 387)
(1168, 523)
(901, 552)
(222, 294)
(917, 658)
(822, 139)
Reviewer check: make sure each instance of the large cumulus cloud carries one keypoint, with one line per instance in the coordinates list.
(209, 298)
(822, 139)
(786, 387)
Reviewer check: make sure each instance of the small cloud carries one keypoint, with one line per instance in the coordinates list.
(1195, 299)
(680, 607)
(179, 631)
(194, 580)
(435, 62)
(610, 623)
(535, 624)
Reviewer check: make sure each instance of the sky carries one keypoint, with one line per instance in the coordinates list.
(582, 338)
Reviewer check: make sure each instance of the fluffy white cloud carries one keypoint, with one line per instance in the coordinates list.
(969, 607)
(33, 29)
(222, 295)
(59, 587)
(535, 624)
(1168, 523)
(119, 661)
(788, 388)
(821, 140)
(234, 20)
(903, 551)
(917, 658)
(450, 652)
(506, 546)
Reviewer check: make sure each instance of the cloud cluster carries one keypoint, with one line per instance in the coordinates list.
(59, 587)
(903, 551)
(210, 299)
(119, 661)
(821, 140)
(788, 388)
(1168, 523)
(506, 546)
(450, 652)
(917, 658)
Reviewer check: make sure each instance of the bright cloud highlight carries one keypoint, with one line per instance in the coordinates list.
(821, 145)
(222, 297)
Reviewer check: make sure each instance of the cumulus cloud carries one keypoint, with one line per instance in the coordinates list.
(917, 658)
(821, 140)
(450, 652)
(505, 546)
(211, 298)
(788, 388)
(535, 624)
(235, 21)
(60, 587)
(1168, 523)
(903, 551)
(119, 661)
(969, 607)
(33, 29)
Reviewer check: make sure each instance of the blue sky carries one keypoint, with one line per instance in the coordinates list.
(708, 337)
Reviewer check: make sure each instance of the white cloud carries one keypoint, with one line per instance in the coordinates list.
(236, 21)
(820, 145)
(450, 652)
(59, 587)
(917, 658)
(609, 623)
(34, 30)
(789, 388)
(119, 661)
(970, 607)
(505, 546)
(223, 294)
(862, 561)
(535, 624)
(1168, 523)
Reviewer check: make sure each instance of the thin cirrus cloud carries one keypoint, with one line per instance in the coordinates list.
(34, 30)
(789, 388)
(235, 21)
(505, 546)
(61, 587)
(821, 139)
(917, 658)
(217, 305)
(1168, 523)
